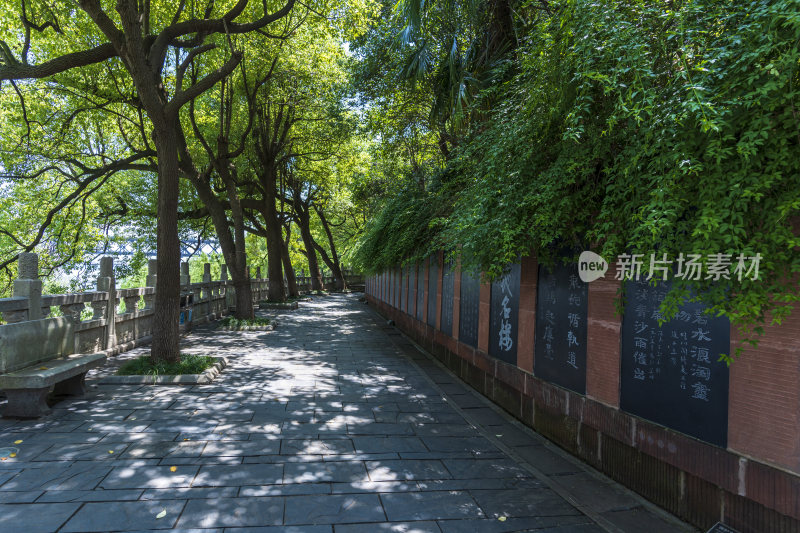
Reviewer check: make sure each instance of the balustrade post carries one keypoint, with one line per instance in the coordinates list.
(229, 290)
(28, 285)
(107, 283)
(185, 278)
(207, 281)
(152, 278)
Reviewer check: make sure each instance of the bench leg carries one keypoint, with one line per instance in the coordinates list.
(74, 386)
(26, 403)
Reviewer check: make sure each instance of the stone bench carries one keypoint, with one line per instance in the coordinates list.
(27, 389)
(35, 357)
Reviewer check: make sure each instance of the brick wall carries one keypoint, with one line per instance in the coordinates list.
(764, 402)
(603, 341)
(753, 484)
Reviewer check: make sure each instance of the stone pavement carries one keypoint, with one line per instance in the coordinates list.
(332, 423)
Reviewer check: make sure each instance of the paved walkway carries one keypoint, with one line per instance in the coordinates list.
(331, 423)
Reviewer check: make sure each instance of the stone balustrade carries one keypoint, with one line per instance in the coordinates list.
(90, 322)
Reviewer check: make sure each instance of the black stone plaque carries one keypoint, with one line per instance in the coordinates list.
(396, 298)
(412, 288)
(433, 282)
(561, 320)
(404, 291)
(504, 316)
(448, 286)
(400, 280)
(468, 308)
(420, 290)
(670, 374)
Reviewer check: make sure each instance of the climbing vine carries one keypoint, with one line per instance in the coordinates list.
(641, 127)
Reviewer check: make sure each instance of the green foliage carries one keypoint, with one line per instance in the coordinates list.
(408, 226)
(231, 322)
(642, 127)
(144, 366)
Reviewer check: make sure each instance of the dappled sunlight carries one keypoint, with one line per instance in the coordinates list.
(303, 427)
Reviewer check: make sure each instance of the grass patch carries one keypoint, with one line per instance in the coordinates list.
(233, 322)
(143, 366)
(288, 300)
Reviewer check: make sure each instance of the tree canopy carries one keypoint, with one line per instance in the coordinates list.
(305, 136)
(619, 127)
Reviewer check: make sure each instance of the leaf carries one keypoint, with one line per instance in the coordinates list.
(17, 442)
(42, 368)
(502, 518)
(12, 455)
(173, 469)
(110, 451)
(162, 514)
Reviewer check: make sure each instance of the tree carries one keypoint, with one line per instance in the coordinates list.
(142, 36)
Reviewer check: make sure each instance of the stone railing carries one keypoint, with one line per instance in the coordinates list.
(90, 322)
(353, 280)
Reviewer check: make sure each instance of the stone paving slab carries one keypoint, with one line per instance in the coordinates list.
(331, 423)
(38, 518)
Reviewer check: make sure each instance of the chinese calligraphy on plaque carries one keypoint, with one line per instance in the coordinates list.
(448, 286)
(468, 309)
(433, 286)
(420, 290)
(561, 327)
(504, 313)
(670, 373)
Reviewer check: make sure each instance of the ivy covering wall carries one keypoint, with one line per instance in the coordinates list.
(640, 127)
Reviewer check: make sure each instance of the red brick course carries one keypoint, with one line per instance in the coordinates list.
(764, 398)
(603, 341)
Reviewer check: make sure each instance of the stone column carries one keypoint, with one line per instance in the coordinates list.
(152, 265)
(206, 272)
(207, 282)
(152, 278)
(28, 285)
(107, 283)
(223, 277)
(185, 279)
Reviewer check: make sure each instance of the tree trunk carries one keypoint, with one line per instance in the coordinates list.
(275, 291)
(232, 248)
(166, 340)
(291, 279)
(304, 222)
(333, 262)
(241, 281)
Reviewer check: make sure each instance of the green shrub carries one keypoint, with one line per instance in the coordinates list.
(144, 366)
